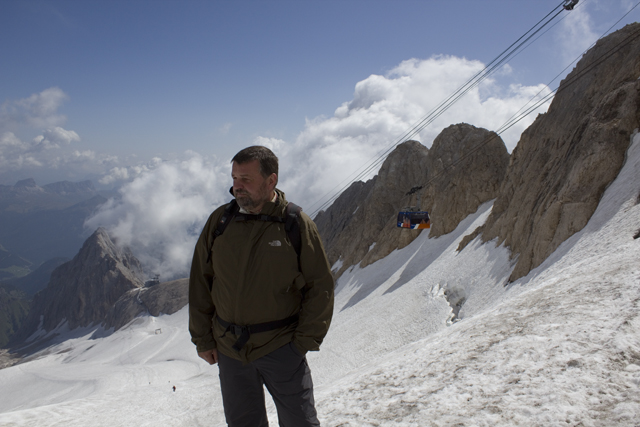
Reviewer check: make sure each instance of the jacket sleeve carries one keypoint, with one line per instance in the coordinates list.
(201, 307)
(317, 304)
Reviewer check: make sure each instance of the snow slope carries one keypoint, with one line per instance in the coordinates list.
(558, 347)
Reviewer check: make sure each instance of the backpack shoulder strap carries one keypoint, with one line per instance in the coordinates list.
(291, 224)
(229, 212)
(292, 227)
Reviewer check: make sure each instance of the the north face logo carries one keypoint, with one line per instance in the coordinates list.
(275, 243)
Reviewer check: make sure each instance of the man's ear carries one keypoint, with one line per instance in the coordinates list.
(273, 180)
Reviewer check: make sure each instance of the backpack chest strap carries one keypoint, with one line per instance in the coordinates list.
(252, 217)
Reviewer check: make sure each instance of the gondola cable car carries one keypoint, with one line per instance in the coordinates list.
(412, 217)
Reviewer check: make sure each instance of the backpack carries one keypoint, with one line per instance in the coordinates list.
(291, 222)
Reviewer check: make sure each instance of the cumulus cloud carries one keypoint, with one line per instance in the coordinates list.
(164, 204)
(162, 210)
(42, 151)
(53, 150)
(384, 108)
(15, 153)
(226, 128)
(39, 110)
(123, 174)
(56, 137)
(577, 33)
(273, 144)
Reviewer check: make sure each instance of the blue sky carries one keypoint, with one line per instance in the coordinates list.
(132, 80)
(153, 98)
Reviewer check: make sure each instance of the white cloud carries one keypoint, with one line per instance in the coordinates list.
(55, 149)
(577, 33)
(83, 155)
(54, 138)
(165, 203)
(51, 149)
(226, 128)
(16, 154)
(39, 110)
(9, 141)
(273, 144)
(125, 174)
(162, 210)
(383, 109)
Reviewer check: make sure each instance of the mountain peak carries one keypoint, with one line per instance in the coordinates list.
(360, 227)
(29, 182)
(83, 290)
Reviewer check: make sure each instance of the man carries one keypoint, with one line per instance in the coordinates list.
(255, 306)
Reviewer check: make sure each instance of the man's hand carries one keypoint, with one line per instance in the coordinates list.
(211, 356)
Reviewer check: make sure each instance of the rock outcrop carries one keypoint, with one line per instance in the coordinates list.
(466, 166)
(163, 298)
(82, 291)
(353, 223)
(14, 307)
(565, 160)
(463, 169)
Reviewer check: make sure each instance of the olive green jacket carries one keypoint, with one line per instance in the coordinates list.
(253, 277)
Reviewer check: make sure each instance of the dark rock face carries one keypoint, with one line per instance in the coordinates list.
(462, 170)
(565, 160)
(355, 220)
(466, 166)
(83, 290)
(13, 310)
(163, 298)
(38, 279)
(67, 187)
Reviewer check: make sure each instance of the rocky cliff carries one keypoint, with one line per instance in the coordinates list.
(352, 224)
(465, 168)
(568, 156)
(82, 291)
(462, 170)
(163, 298)
(14, 307)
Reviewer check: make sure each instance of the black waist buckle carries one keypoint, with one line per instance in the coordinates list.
(243, 332)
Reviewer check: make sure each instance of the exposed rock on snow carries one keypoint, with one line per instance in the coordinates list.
(163, 298)
(566, 159)
(479, 158)
(357, 218)
(475, 160)
(83, 290)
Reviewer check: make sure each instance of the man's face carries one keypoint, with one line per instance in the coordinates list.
(250, 188)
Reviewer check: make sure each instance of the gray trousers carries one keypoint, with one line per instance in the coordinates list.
(286, 375)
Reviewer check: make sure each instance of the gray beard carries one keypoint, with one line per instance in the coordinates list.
(246, 203)
(249, 204)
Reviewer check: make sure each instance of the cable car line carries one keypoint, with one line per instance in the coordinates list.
(447, 103)
(443, 106)
(512, 121)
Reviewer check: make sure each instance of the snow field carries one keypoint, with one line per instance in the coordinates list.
(560, 347)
